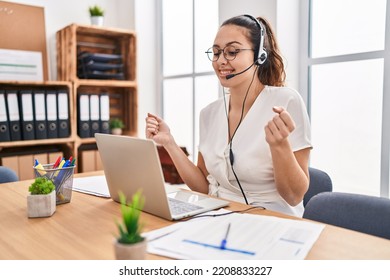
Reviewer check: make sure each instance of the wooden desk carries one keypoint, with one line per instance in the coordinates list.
(85, 229)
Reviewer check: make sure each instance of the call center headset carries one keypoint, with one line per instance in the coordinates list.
(262, 56)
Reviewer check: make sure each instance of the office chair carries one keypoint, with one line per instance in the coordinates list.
(7, 175)
(364, 213)
(320, 181)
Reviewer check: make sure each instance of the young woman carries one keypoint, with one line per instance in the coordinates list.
(254, 141)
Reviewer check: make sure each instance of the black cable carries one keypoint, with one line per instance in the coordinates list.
(223, 214)
(231, 155)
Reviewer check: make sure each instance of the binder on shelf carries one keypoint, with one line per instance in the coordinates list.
(26, 114)
(63, 114)
(94, 114)
(104, 113)
(13, 115)
(51, 114)
(83, 126)
(4, 126)
(40, 124)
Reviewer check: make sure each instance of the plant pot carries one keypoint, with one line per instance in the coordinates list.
(41, 205)
(97, 20)
(116, 131)
(136, 251)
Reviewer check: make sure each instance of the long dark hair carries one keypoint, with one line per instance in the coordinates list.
(271, 72)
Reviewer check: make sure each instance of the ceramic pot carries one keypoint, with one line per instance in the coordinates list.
(41, 205)
(97, 20)
(136, 251)
(116, 131)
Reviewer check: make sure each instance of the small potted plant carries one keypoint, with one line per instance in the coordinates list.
(41, 202)
(130, 245)
(116, 126)
(97, 15)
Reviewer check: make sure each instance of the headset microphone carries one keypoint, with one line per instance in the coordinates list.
(239, 73)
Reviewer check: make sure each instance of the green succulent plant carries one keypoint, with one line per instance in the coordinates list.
(96, 11)
(116, 123)
(130, 228)
(41, 185)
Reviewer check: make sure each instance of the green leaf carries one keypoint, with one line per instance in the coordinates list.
(130, 229)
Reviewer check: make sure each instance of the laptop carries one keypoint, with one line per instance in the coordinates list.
(132, 163)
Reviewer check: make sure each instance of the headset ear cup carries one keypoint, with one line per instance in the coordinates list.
(262, 57)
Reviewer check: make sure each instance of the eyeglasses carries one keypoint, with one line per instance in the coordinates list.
(229, 53)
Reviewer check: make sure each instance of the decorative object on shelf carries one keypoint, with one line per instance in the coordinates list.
(41, 202)
(97, 15)
(116, 126)
(130, 245)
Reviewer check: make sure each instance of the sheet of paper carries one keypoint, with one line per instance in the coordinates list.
(20, 65)
(249, 237)
(95, 185)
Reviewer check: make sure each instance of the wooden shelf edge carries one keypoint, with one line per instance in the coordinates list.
(35, 142)
(105, 83)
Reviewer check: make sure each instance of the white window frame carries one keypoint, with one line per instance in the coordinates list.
(305, 79)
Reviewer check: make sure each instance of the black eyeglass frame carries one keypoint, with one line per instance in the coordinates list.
(213, 59)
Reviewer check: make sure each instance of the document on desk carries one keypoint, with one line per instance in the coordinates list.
(95, 185)
(235, 236)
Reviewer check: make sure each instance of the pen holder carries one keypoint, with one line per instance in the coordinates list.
(62, 179)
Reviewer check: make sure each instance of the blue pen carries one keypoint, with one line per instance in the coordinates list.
(59, 177)
(223, 242)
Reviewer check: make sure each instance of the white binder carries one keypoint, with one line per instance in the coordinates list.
(83, 126)
(13, 115)
(40, 114)
(104, 113)
(94, 114)
(63, 114)
(4, 126)
(27, 114)
(51, 114)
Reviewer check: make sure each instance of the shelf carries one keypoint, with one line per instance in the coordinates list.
(123, 101)
(41, 87)
(123, 94)
(105, 83)
(27, 143)
(76, 39)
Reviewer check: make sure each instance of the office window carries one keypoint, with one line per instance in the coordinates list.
(188, 81)
(346, 121)
(343, 80)
(347, 26)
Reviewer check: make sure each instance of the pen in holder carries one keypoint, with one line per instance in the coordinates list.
(62, 177)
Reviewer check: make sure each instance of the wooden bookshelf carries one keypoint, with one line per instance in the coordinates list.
(76, 39)
(123, 94)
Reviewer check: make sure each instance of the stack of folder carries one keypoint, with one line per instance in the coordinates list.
(93, 114)
(30, 114)
(100, 66)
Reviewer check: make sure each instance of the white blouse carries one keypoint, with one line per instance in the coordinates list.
(252, 155)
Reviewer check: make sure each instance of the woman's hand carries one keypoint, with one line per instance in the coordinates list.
(157, 130)
(279, 128)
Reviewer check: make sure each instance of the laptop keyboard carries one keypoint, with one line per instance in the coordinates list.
(179, 207)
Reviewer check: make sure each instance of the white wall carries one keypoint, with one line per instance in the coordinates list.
(288, 34)
(147, 61)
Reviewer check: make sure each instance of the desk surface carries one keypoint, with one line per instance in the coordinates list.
(85, 229)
